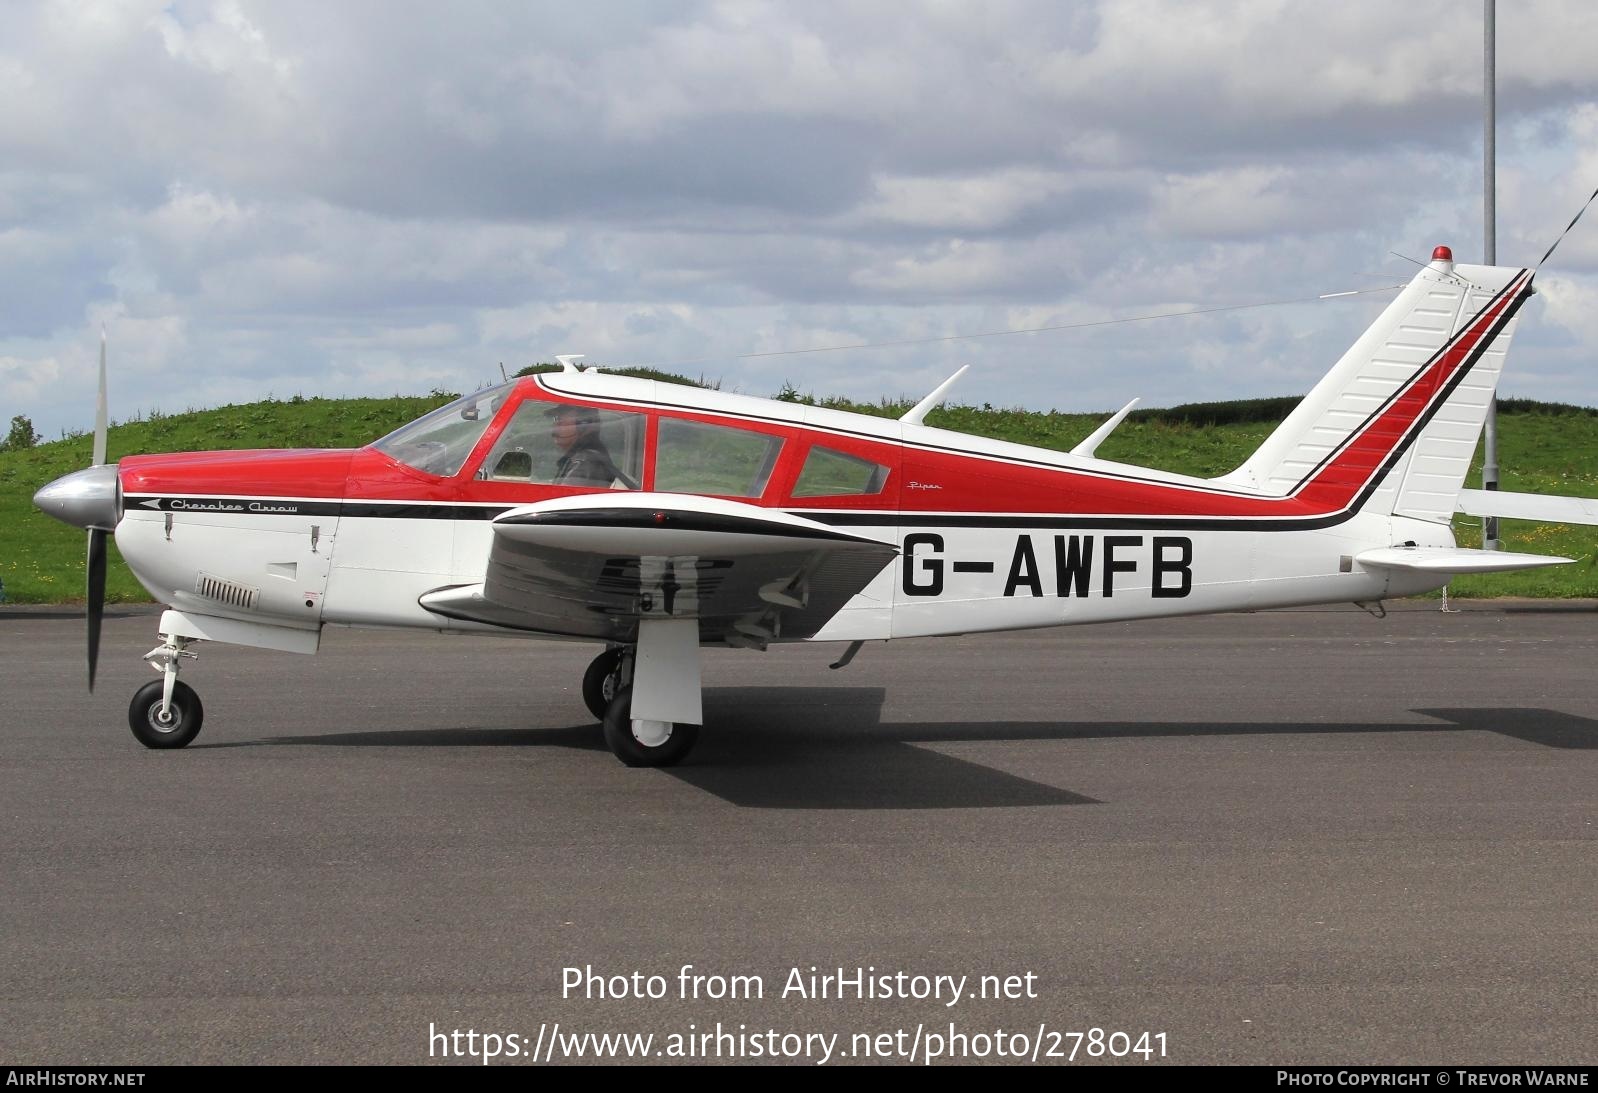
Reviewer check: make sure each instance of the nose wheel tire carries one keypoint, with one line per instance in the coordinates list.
(641, 743)
(602, 681)
(175, 730)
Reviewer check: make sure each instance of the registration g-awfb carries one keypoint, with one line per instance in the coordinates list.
(701, 518)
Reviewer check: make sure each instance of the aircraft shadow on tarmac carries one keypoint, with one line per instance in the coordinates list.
(824, 748)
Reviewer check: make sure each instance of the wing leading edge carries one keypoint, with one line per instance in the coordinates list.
(596, 566)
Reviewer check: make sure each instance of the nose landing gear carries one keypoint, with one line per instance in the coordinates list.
(166, 713)
(162, 723)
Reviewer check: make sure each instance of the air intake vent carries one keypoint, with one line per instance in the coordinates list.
(229, 592)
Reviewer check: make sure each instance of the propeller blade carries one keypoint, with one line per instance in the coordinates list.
(100, 410)
(95, 599)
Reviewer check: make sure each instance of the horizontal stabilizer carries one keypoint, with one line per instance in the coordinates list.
(1454, 560)
(1528, 506)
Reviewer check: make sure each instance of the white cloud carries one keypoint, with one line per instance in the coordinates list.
(986, 202)
(1571, 305)
(26, 382)
(226, 44)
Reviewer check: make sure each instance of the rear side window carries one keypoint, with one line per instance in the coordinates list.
(692, 457)
(829, 473)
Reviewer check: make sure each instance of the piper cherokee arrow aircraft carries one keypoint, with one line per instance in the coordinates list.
(657, 519)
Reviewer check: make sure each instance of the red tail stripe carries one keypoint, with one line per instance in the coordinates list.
(1335, 484)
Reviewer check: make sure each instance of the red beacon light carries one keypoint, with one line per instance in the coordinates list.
(1442, 254)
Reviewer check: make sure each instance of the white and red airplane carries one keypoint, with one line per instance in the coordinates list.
(657, 519)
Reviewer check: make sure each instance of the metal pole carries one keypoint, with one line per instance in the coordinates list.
(1489, 470)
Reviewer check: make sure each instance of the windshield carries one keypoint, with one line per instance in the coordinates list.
(440, 442)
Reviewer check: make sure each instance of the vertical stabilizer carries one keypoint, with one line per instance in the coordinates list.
(1394, 424)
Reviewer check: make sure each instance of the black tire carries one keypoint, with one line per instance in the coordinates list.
(144, 716)
(619, 736)
(601, 682)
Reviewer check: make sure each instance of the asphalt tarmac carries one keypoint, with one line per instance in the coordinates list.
(1298, 837)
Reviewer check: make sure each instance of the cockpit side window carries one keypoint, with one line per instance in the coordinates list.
(564, 444)
(439, 442)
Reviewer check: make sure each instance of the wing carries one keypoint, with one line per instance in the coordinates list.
(595, 566)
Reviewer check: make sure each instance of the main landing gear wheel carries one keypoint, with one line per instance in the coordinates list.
(640, 743)
(177, 728)
(602, 681)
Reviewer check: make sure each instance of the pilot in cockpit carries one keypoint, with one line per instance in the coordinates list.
(584, 459)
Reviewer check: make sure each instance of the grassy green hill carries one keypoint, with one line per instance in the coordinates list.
(1544, 448)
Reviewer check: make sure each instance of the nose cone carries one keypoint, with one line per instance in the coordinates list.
(90, 498)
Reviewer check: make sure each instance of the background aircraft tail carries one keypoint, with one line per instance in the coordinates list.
(1393, 426)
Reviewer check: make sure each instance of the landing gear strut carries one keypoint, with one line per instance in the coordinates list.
(648, 694)
(166, 713)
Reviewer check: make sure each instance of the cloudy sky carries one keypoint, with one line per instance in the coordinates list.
(378, 198)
